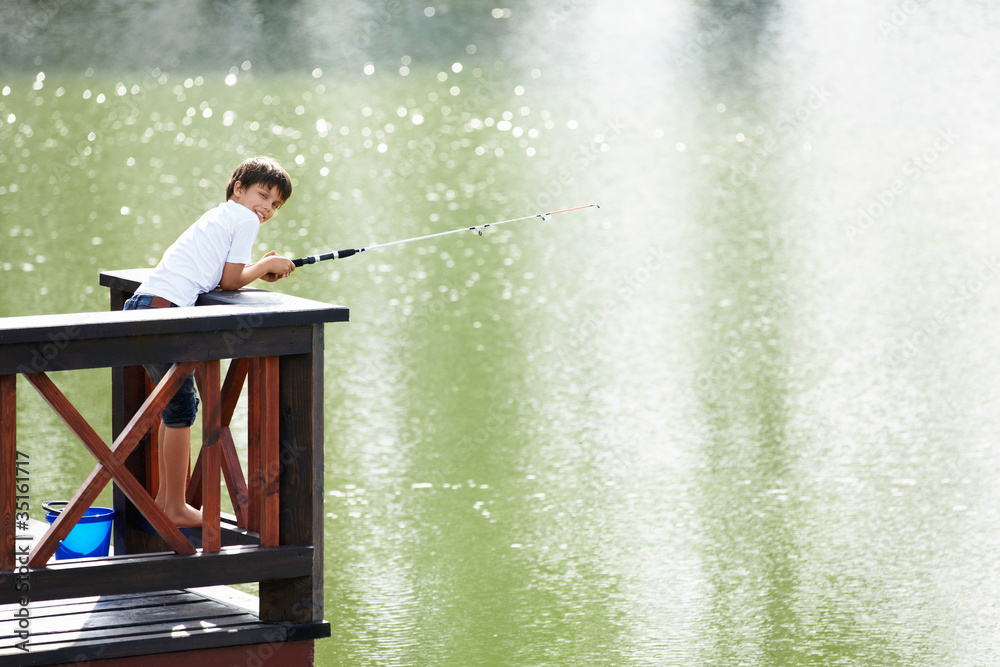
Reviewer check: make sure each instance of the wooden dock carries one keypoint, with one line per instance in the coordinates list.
(220, 623)
(161, 598)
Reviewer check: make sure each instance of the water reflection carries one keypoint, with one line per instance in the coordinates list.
(755, 506)
(210, 36)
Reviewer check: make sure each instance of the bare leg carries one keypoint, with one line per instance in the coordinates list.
(161, 483)
(175, 449)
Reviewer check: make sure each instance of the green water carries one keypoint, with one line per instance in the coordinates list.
(742, 414)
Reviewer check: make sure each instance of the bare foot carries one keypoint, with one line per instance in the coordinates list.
(184, 516)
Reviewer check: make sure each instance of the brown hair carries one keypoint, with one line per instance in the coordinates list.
(265, 171)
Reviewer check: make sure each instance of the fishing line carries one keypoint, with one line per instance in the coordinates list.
(347, 252)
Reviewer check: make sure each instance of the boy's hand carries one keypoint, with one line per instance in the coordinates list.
(278, 267)
(270, 267)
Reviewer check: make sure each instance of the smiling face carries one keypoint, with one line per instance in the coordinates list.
(258, 198)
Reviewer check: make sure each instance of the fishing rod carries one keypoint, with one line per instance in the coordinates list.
(347, 252)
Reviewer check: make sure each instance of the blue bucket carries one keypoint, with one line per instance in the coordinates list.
(90, 537)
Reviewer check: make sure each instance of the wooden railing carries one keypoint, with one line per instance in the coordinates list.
(276, 534)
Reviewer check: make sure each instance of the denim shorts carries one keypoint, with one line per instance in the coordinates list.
(182, 409)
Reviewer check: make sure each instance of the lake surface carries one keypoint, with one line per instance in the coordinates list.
(745, 413)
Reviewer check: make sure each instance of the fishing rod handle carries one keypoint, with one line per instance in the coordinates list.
(336, 254)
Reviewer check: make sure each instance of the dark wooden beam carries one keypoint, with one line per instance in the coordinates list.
(211, 457)
(154, 572)
(126, 345)
(8, 469)
(300, 599)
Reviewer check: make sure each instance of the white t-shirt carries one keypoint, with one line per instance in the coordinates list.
(193, 264)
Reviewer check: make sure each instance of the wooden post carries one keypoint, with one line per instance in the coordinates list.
(128, 393)
(300, 599)
(211, 537)
(235, 479)
(263, 449)
(8, 469)
(129, 389)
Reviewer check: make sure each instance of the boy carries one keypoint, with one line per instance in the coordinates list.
(213, 252)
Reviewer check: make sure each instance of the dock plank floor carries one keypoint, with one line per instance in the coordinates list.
(117, 626)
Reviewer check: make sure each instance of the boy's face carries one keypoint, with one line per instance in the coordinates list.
(259, 199)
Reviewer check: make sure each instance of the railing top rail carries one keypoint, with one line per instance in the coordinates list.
(96, 325)
(234, 309)
(242, 323)
(128, 280)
